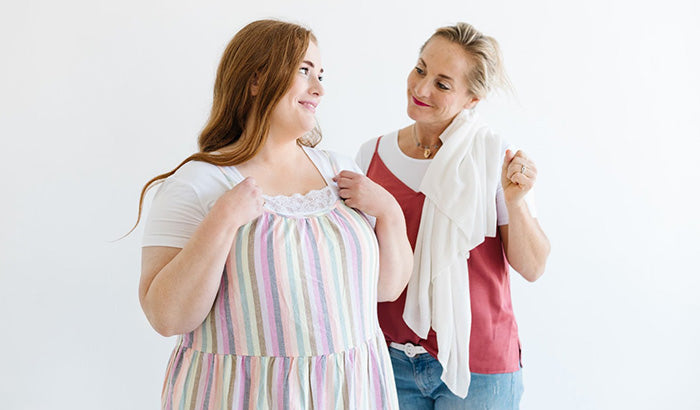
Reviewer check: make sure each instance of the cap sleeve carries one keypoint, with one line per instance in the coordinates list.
(175, 213)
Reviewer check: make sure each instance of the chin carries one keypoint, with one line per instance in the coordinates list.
(414, 114)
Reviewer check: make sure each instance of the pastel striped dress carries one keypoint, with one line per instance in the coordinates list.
(294, 324)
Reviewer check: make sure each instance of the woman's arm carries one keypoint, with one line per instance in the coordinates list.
(525, 243)
(178, 286)
(395, 253)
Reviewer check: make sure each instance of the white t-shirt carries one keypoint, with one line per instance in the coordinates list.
(411, 170)
(186, 197)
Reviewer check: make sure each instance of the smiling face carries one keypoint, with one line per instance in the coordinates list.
(295, 112)
(437, 86)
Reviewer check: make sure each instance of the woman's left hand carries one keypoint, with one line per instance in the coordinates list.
(518, 175)
(362, 193)
(395, 253)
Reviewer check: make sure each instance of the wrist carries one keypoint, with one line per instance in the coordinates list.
(390, 212)
(224, 216)
(516, 205)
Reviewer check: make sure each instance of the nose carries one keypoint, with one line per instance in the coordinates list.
(421, 87)
(317, 87)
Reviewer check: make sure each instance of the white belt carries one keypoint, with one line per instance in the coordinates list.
(409, 349)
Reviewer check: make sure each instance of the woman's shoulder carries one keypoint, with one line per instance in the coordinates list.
(193, 171)
(206, 180)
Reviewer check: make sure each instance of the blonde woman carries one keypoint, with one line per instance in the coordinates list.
(264, 254)
(452, 334)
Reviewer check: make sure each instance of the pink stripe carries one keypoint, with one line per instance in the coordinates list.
(265, 289)
(319, 385)
(317, 306)
(280, 385)
(220, 320)
(286, 316)
(374, 375)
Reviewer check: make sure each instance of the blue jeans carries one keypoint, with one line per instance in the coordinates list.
(419, 386)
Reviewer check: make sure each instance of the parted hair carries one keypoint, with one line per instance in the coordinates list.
(265, 54)
(487, 71)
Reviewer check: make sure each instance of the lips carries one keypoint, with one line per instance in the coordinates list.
(309, 105)
(419, 102)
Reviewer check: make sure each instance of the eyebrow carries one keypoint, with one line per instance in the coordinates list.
(311, 64)
(447, 77)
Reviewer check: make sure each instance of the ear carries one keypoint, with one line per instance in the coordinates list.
(254, 89)
(471, 102)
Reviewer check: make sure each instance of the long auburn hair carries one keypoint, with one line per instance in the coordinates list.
(265, 53)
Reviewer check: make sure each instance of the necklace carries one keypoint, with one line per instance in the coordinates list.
(427, 149)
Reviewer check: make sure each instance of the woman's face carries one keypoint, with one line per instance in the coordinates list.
(437, 86)
(295, 112)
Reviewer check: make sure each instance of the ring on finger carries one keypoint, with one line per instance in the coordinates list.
(523, 169)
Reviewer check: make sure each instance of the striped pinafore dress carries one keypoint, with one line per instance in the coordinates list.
(294, 324)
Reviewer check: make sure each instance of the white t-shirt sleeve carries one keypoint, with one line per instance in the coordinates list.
(176, 212)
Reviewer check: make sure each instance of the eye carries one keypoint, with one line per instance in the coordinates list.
(304, 70)
(419, 70)
(443, 86)
(320, 78)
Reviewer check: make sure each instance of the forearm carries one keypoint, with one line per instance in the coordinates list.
(181, 294)
(395, 254)
(527, 247)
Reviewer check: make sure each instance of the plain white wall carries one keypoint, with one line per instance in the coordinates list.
(96, 97)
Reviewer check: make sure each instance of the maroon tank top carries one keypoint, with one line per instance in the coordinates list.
(494, 346)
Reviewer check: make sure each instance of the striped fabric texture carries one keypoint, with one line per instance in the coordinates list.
(294, 324)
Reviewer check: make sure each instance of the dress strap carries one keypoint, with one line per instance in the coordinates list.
(376, 147)
(334, 164)
(232, 181)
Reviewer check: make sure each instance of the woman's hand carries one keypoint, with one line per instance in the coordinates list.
(518, 176)
(395, 253)
(362, 193)
(241, 204)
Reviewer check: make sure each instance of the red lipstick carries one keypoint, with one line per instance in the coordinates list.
(419, 103)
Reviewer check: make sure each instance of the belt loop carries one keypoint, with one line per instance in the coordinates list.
(409, 349)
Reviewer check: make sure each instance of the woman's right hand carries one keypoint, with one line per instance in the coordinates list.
(241, 204)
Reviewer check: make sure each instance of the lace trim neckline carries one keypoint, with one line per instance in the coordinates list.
(313, 202)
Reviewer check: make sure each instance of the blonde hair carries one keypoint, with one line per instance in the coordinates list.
(265, 53)
(487, 71)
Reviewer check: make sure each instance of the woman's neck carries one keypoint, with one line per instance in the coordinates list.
(429, 134)
(275, 152)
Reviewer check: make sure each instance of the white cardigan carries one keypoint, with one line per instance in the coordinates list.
(458, 213)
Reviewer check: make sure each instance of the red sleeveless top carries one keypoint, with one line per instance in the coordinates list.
(494, 346)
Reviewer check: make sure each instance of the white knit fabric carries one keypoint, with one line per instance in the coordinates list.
(458, 213)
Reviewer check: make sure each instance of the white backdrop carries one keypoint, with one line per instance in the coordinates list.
(98, 96)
